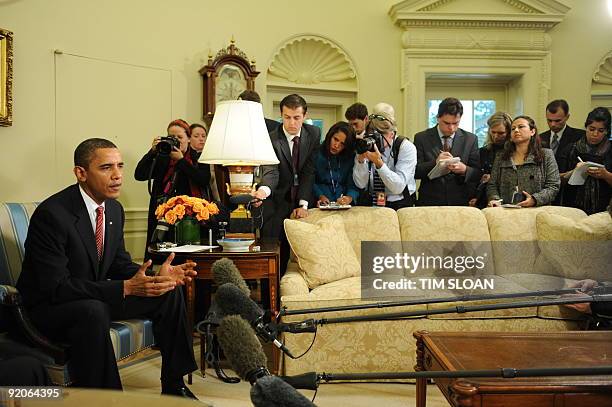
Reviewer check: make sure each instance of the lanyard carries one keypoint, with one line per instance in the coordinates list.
(334, 183)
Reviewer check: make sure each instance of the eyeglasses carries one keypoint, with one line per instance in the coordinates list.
(378, 116)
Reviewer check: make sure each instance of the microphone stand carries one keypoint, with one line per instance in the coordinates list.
(460, 309)
(461, 298)
(310, 325)
(311, 380)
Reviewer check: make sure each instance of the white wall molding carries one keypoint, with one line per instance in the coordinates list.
(493, 38)
(312, 60)
(513, 14)
(603, 72)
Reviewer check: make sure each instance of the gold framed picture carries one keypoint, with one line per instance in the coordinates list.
(6, 77)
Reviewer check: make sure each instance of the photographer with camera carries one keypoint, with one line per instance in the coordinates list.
(172, 165)
(385, 163)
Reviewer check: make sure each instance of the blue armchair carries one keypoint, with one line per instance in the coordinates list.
(131, 338)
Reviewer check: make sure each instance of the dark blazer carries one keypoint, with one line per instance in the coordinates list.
(450, 189)
(271, 124)
(279, 178)
(61, 260)
(570, 136)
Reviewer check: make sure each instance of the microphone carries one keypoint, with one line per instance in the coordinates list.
(234, 302)
(308, 325)
(272, 391)
(242, 348)
(225, 271)
(247, 358)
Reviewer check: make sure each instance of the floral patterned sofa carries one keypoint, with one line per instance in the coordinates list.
(130, 338)
(382, 346)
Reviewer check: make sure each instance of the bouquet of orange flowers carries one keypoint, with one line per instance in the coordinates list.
(179, 207)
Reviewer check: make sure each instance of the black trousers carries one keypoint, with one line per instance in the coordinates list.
(84, 325)
(23, 371)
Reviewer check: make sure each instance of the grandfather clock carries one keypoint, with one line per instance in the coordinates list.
(225, 77)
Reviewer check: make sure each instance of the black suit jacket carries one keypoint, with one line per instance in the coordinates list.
(279, 178)
(570, 136)
(61, 260)
(450, 189)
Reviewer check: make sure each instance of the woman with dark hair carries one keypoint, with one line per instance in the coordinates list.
(173, 169)
(594, 195)
(524, 174)
(334, 167)
(498, 133)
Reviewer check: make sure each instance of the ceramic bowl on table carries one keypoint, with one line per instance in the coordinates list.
(235, 244)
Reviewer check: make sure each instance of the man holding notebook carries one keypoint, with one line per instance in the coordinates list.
(443, 142)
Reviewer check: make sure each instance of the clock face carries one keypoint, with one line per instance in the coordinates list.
(230, 83)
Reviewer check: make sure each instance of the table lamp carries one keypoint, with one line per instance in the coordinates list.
(238, 139)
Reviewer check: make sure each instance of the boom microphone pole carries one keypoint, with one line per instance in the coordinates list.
(460, 309)
(461, 298)
(311, 380)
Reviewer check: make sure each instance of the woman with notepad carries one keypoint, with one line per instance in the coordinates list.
(524, 174)
(590, 183)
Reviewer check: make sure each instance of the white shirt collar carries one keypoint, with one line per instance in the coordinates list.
(91, 206)
(290, 136)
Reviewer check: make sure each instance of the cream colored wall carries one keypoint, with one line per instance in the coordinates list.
(579, 43)
(175, 37)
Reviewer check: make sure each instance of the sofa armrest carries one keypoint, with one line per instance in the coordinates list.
(10, 300)
(293, 283)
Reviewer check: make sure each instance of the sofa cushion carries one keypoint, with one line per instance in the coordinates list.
(513, 231)
(575, 249)
(442, 223)
(323, 250)
(363, 224)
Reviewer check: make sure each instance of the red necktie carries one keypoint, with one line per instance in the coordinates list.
(100, 230)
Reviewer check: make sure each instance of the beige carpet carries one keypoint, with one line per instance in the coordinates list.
(143, 377)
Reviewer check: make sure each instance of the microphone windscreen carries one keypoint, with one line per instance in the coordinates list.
(240, 345)
(234, 302)
(225, 271)
(271, 391)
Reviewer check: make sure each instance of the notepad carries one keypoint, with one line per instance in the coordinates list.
(441, 167)
(579, 175)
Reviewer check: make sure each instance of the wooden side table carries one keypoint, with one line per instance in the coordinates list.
(261, 265)
(452, 351)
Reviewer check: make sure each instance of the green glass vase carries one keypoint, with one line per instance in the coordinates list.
(187, 231)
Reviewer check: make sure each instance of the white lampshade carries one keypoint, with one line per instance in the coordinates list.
(238, 136)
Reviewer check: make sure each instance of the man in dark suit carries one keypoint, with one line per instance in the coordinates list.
(77, 277)
(286, 188)
(445, 141)
(560, 137)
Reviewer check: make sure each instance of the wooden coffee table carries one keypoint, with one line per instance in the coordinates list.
(452, 351)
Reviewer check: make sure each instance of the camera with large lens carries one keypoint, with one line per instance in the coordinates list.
(166, 144)
(367, 143)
